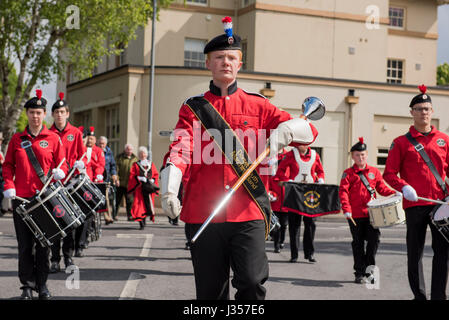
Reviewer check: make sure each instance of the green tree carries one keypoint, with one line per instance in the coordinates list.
(443, 74)
(34, 32)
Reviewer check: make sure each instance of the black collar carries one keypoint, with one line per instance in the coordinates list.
(33, 136)
(217, 91)
(66, 123)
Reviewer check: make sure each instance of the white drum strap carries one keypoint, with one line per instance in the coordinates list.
(88, 154)
(305, 167)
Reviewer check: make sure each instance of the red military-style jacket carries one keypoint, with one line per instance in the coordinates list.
(18, 172)
(354, 196)
(96, 163)
(275, 189)
(209, 180)
(290, 163)
(72, 140)
(138, 209)
(413, 171)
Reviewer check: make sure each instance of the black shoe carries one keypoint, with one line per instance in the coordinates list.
(187, 247)
(359, 279)
(68, 262)
(79, 253)
(142, 225)
(44, 294)
(310, 258)
(115, 219)
(281, 246)
(277, 249)
(27, 294)
(54, 267)
(293, 259)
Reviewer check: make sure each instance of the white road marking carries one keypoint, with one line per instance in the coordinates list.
(129, 291)
(146, 245)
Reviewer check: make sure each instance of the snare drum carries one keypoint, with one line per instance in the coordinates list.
(386, 212)
(104, 189)
(51, 214)
(86, 194)
(440, 219)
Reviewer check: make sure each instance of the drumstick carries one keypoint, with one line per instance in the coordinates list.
(73, 169)
(431, 200)
(51, 177)
(21, 199)
(353, 221)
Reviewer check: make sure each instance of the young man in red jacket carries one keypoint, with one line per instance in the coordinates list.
(236, 237)
(72, 141)
(22, 180)
(301, 164)
(416, 179)
(354, 196)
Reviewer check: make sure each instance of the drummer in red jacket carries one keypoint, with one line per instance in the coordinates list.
(143, 182)
(416, 179)
(22, 180)
(301, 164)
(72, 141)
(354, 197)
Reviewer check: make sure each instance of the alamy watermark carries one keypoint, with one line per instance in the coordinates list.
(372, 278)
(73, 280)
(73, 20)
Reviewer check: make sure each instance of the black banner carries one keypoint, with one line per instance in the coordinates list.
(311, 199)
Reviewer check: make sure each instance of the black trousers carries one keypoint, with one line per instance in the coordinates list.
(417, 219)
(362, 233)
(239, 246)
(68, 245)
(82, 233)
(279, 235)
(120, 192)
(294, 226)
(33, 267)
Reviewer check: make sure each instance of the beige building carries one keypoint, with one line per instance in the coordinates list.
(364, 58)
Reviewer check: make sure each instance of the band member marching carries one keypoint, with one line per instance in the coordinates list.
(423, 178)
(72, 141)
(236, 237)
(143, 182)
(22, 180)
(276, 194)
(358, 186)
(301, 164)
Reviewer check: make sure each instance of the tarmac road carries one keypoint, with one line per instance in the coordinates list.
(131, 264)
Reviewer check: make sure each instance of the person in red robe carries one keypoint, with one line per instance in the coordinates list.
(143, 182)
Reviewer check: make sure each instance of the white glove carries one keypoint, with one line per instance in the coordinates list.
(58, 174)
(170, 205)
(78, 165)
(142, 179)
(272, 197)
(10, 193)
(99, 177)
(294, 130)
(320, 180)
(348, 215)
(151, 180)
(409, 193)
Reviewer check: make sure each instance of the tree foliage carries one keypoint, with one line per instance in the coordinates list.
(443, 74)
(33, 33)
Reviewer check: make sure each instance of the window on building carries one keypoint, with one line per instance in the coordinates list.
(193, 53)
(395, 71)
(120, 59)
(244, 45)
(197, 1)
(245, 3)
(84, 118)
(397, 16)
(112, 125)
(382, 154)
